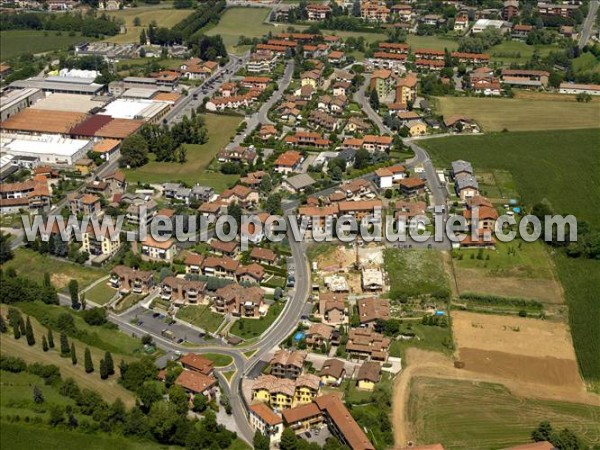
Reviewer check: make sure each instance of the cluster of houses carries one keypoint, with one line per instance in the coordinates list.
(233, 95)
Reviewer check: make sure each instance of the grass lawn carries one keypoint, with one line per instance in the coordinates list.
(17, 42)
(220, 129)
(238, 22)
(550, 169)
(426, 338)
(415, 272)
(33, 265)
(100, 294)
(109, 389)
(164, 17)
(467, 415)
(432, 42)
(514, 114)
(239, 444)
(249, 328)
(19, 436)
(104, 338)
(229, 374)
(354, 395)
(530, 260)
(201, 316)
(509, 52)
(586, 63)
(218, 359)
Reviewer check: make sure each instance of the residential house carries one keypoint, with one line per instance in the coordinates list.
(402, 11)
(525, 78)
(303, 418)
(221, 248)
(261, 61)
(100, 245)
(322, 119)
(253, 82)
(466, 186)
(336, 58)
(372, 309)
(371, 279)
(320, 334)
(396, 62)
(521, 31)
(240, 301)
(389, 176)
(332, 308)
(282, 393)
(311, 78)
(396, 48)
(429, 64)
(242, 195)
(220, 267)
(412, 186)
(152, 250)
(197, 363)
(196, 383)
(238, 154)
(357, 125)
(461, 23)
(196, 69)
(288, 364)
(481, 210)
(181, 292)
(460, 124)
(416, 128)
(307, 139)
(251, 273)
(288, 162)
(406, 89)
(84, 204)
(364, 343)
(265, 421)
(382, 81)
(298, 183)
(372, 11)
(317, 11)
(368, 375)
(193, 264)
(551, 9)
(510, 9)
(332, 372)
(127, 279)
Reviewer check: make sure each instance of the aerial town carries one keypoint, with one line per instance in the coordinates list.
(148, 301)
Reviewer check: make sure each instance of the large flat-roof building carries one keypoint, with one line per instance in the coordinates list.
(37, 121)
(69, 102)
(65, 85)
(13, 101)
(49, 149)
(137, 109)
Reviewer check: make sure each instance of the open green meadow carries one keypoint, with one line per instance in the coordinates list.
(20, 436)
(555, 166)
(415, 273)
(201, 316)
(515, 114)
(16, 42)
(238, 22)
(515, 51)
(100, 294)
(163, 16)
(220, 129)
(469, 415)
(32, 264)
(434, 338)
(431, 42)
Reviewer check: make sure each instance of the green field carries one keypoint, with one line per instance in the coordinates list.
(201, 316)
(432, 42)
(33, 265)
(17, 42)
(19, 436)
(427, 337)
(467, 415)
(586, 63)
(109, 389)
(415, 273)
(250, 328)
(509, 52)
(100, 294)
(551, 166)
(218, 359)
(164, 17)
(545, 165)
(220, 129)
(105, 338)
(515, 114)
(238, 22)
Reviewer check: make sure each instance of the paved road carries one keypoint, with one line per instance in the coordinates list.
(588, 23)
(261, 116)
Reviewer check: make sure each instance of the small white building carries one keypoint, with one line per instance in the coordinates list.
(484, 24)
(572, 88)
(50, 149)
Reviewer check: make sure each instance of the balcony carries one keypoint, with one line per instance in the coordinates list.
(166, 293)
(137, 287)
(115, 282)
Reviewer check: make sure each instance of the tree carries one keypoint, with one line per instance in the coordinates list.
(103, 369)
(179, 398)
(289, 441)
(22, 326)
(73, 354)
(95, 316)
(65, 349)
(38, 397)
(6, 253)
(29, 333)
(50, 338)
(137, 22)
(374, 100)
(134, 151)
(110, 366)
(200, 403)
(542, 432)
(261, 441)
(44, 344)
(74, 293)
(273, 204)
(147, 339)
(87, 361)
(149, 393)
(3, 327)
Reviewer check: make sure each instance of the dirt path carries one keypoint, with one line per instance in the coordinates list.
(433, 364)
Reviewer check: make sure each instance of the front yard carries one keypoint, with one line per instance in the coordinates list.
(201, 316)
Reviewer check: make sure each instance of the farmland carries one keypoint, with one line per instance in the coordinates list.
(515, 51)
(238, 22)
(164, 17)
(514, 114)
(31, 264)
(474, 415)
(550, 169)
(17, 42)
(194, 170)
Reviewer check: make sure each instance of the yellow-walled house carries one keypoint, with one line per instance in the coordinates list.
(416, 128)
(368, 375)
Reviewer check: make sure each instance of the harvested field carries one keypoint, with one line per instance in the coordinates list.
(528, 350)
(546, 291)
